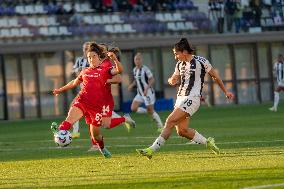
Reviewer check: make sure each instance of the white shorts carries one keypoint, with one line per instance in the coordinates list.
(147, 100)
(280, 84)
(188, 104)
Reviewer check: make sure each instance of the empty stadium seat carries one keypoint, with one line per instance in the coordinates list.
(63, 30)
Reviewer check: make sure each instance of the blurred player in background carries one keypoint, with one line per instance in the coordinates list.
(144, 80)
(92, 98)
(190, 70)
(278, 70)
(107, 122)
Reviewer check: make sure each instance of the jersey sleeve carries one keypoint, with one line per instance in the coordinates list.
(80, 76)
(148, 72)
(176, 69)
(207, 66)
(80, 64)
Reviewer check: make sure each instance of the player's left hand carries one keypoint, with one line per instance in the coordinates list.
(112, 55)
(229, 95)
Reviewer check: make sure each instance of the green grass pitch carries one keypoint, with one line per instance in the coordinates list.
(251, 139)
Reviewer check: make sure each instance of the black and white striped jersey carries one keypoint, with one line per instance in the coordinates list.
(192, 75)
(80, 64)
(142, 76)
(279, 71)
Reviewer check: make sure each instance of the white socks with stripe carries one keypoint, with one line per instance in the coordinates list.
(115, 115)
(157, 144)
(157, 119)
(198, 138)
(76, 127)
(276, 99)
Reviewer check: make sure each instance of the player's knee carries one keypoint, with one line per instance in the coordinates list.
(181, 132)
(170, 123)
(134, 109)
(150, 111)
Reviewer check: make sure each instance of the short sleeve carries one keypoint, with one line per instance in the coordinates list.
(148, 72)
(207, 66)
(177, 69)
(80, 76)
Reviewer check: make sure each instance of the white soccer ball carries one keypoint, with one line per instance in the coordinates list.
(63, 138)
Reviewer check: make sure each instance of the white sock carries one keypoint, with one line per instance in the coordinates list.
(276, 99)
(76, 127)
(157, 119)
(115, 115)
(199, 138)
(158, 143)
(141, 110)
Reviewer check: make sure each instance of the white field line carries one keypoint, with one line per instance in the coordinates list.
(264, 186)
(131, 145)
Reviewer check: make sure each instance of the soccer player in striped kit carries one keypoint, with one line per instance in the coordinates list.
(278, 70)
(190, 70)
(144, 80)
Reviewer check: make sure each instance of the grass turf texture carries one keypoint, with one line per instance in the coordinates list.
(250, 137)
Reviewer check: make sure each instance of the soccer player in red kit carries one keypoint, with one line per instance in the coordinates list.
(91, 99)
(112, 119)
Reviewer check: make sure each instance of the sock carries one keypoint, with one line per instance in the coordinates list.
(276, 99)
(116, 121)
(76, 127)
(158, 143)
(65, 125)
(198, 138)
(157, 119)
(115, 115)
(100, 143)
(141, 110)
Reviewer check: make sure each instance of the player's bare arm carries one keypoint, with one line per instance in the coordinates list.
(115, 79)
(173, 79)
(130, 87)
(70, 85)
(150, 84)
(219, 81)
(118, 69)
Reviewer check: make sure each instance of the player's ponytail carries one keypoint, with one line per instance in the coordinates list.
(184, 45)
(110, 48)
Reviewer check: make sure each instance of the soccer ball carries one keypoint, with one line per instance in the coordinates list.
(63, 138)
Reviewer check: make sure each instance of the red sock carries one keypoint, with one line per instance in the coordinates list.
(100, 143)
(116, 121)
(65, 125)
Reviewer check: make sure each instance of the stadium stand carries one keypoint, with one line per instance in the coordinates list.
(30, 20)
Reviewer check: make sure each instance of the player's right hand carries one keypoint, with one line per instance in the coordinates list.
(229, 95)
(56, 92)
(172, 81)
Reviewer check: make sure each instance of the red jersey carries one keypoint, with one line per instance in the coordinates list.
(93, 88)
(107, 64)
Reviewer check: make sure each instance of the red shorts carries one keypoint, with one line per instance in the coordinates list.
(107, 109)
(92, 115)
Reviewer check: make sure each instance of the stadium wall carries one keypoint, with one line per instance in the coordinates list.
(31, 69)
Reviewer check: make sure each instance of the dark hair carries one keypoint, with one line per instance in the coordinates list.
(110, 48)
(184, 45)
(94, 47)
